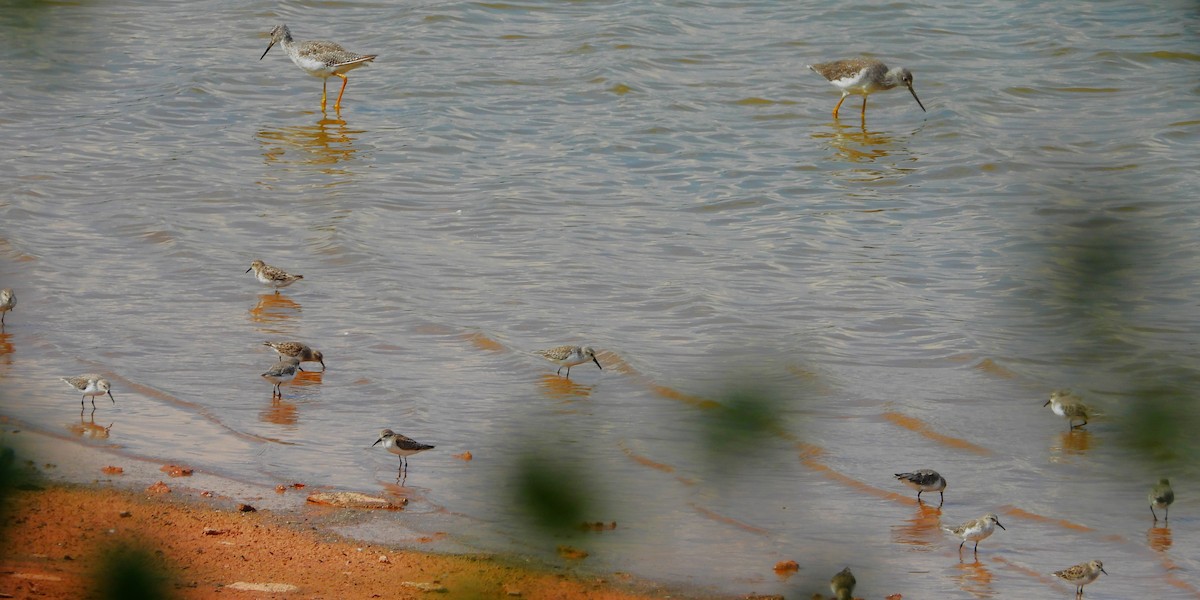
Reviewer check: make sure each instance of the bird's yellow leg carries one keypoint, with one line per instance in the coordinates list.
(839, 105)
(338, 105)
(864, 108)
(323, 82)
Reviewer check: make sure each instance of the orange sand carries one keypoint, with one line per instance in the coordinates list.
(53, 538)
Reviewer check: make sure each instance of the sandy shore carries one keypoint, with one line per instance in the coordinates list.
(56, 535)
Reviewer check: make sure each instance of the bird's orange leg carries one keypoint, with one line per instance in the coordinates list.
(323, 82)
(839, 105)
(338, 105)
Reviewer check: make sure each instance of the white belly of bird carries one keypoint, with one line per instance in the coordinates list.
(278, 283)
(852, 85)
(391, 447)
(316, 68)
(281, 378)
(978, 533)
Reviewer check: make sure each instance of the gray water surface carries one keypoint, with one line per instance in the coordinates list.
(664, 182)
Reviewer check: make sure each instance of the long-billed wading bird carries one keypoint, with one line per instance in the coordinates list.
(925, 480)
(1161, 496)
(1068, 406)
(976, 530)
(319, 59)
(864, 76)
(281, 373)
(842, 584)
(90, 385)
(569, 356)
(8, 301)
(402, 447)
(272, 276)
(298, 351)
(1081, 575)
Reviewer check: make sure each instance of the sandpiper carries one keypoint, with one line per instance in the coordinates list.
(925, 480)
(1081, 575)
(8, 301)
(842, 584)
(401, 446)
(976, 530)
(1161, 496)
(281, 373)
(298, 351)
(1068, 406)
(272, 276)
(90, 385)
(569, 356)
(864, 76)
(319, 59)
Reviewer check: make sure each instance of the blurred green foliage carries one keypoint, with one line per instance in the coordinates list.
(744, 425)
(1093, 270)
(9, 480)
(554, 495)
(128, 572)
(1102, 274)
(1161, 423)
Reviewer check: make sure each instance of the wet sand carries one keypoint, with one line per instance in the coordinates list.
(56, 534)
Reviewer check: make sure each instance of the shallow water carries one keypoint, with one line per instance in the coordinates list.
(663, 182)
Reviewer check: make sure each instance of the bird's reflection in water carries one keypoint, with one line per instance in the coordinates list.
(975, 579)
(285, 413)
(89, 428)
(408, 493)
(1159, 538)
(6, 348)
(327, 143)
(1070, 443)
(922, 531)
(307, 377)
(856, 143)
(273, 308)
(556, 386)
(280, 413)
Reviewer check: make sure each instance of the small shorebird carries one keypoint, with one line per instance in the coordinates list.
(8, 301)
(864, 76)
(401, 446)
(319, 59)
(925, 480)
(569, 356)
(842, 584)
(272, 276)
(1068, 406)
(283, 372)
(1161, 496)
(1081, 575)
(976, 530)
(298, 351)
(90, 385)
